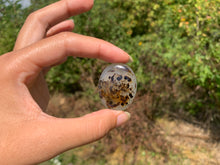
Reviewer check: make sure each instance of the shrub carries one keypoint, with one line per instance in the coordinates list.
(175, 46)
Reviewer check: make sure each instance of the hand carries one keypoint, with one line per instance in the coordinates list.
(27, 134)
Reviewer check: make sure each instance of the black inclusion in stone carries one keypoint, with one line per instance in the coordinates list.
(119, 77)
(112, 78)
(127, 78)
(131, 96)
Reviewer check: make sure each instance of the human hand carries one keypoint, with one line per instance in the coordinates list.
(27, 134)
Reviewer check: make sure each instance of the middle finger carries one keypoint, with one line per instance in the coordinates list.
(37, 23)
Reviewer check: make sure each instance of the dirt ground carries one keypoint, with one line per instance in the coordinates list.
(142, 141)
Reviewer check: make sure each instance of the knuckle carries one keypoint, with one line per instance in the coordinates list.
(36, 17)
(103, 128)
(99, 124)
(64, 37)
(99, 49)
(105, 125)
(33, 16)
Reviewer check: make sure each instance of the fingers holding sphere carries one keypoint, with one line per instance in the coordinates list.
(54, 49)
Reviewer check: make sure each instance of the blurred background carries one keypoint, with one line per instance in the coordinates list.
(175, 45)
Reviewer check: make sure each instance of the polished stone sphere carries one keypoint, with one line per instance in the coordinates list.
(117, 86)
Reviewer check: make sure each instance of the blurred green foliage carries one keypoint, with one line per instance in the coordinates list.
(10, 21)
(175, 46)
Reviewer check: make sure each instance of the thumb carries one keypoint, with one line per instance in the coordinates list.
(91, 127)
(65, 134)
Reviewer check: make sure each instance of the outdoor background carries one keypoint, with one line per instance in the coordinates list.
(175, 45)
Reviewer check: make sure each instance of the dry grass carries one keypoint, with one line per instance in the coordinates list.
(144, 140)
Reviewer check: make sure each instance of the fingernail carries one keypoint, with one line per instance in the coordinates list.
(123, 118)
(130, 59)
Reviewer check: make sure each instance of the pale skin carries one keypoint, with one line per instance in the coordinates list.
(27, 134)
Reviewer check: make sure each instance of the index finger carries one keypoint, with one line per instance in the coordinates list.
(52, 50)
(37, 23)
